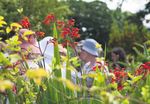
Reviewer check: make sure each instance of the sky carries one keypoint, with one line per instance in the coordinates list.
(128, 5)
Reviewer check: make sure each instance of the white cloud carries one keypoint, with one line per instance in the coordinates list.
(134, 5)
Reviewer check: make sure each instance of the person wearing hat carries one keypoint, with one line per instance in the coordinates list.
(89, 53)
(29, 47)
(47, 49)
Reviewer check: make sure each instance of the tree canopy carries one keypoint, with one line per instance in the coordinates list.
(93, 19)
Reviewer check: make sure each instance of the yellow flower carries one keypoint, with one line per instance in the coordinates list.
(98, 45)
(36, 73)
(5, 84)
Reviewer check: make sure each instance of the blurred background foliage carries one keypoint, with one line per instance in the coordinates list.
(94, 19)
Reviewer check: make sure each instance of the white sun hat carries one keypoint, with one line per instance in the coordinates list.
(89, 45)
(47, 49)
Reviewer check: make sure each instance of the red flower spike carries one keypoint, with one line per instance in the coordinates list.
(48, 19)
(65, 32)
(75, 32)
(69, 33)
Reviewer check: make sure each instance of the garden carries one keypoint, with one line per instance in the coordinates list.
(40, 53)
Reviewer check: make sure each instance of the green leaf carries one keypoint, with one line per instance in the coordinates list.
(56, 50)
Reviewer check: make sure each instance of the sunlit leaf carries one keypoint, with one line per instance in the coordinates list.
(13, 43)
(131, 76)
(70, 85)
(8, 29)
(2, 23)
(17, 25)
(20, 10)
(27, 33)
(1, 18)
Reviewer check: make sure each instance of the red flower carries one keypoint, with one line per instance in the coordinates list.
(25, 22)
(69, 33)
(48, 19)
(144, 70)
(65, 32)
(71, 22)
(40, 33)
(75, 32)
(120, 74)
(60, 24)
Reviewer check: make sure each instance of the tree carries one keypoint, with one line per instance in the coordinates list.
(138, 17)
(127, 37)
(126, 30)
(93, 19)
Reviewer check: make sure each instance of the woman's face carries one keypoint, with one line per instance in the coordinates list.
(114, 57)
(83, 55)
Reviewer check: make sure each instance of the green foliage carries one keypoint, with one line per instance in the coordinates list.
(35, 10)
(56, 51)
(93, 19)
(127, 36)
